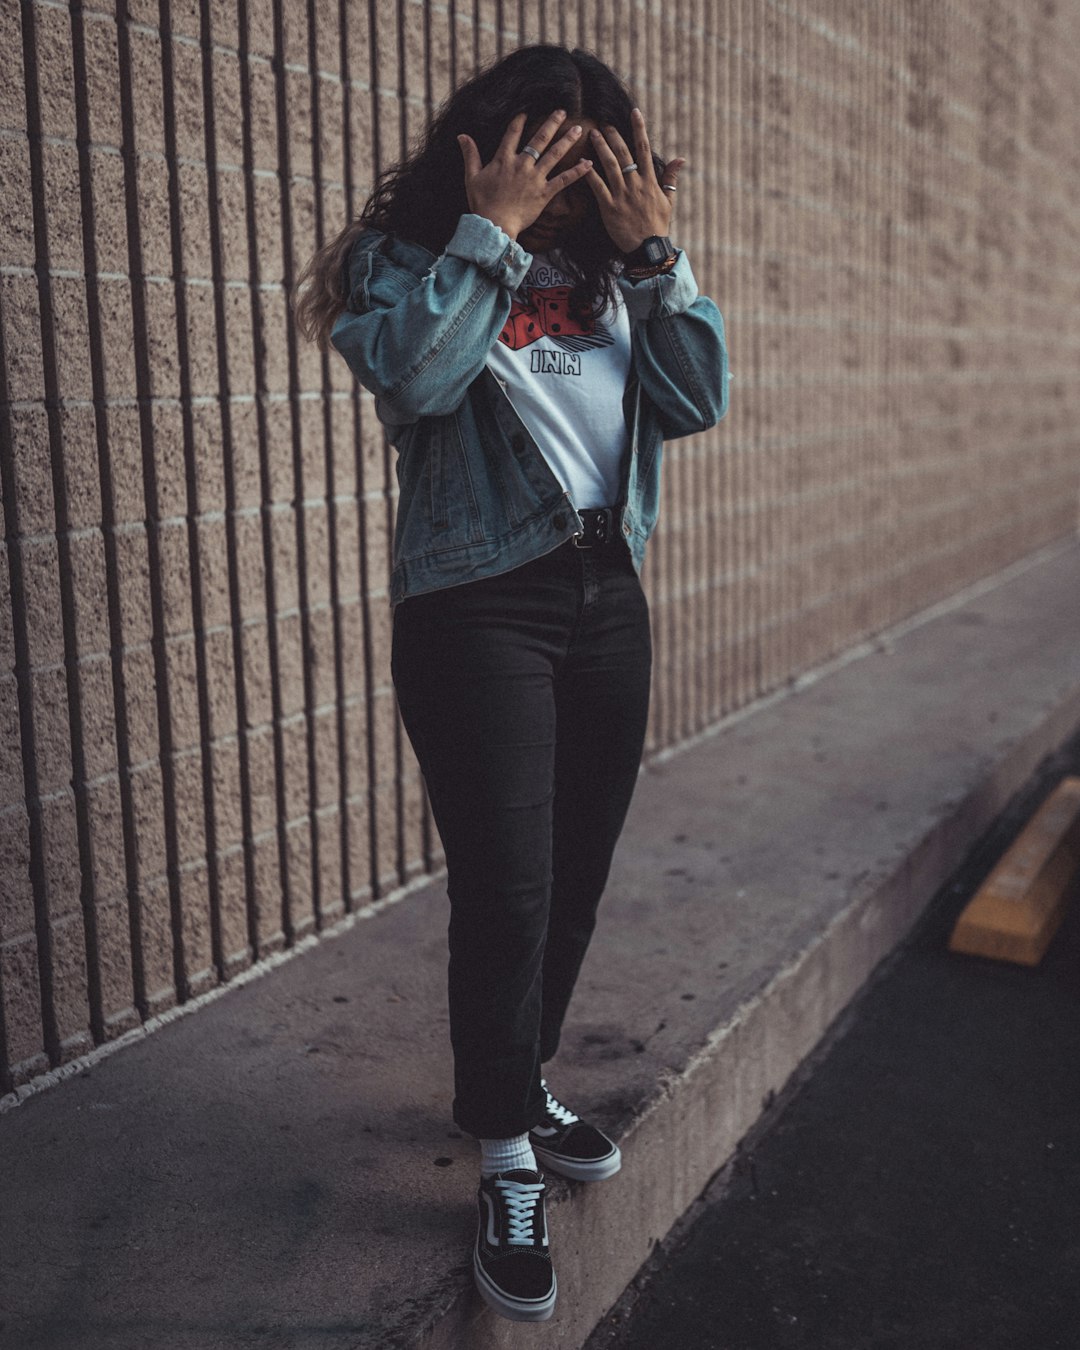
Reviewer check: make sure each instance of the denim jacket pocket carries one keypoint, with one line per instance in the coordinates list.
(438, 510)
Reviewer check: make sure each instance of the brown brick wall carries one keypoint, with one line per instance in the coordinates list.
(200, 757)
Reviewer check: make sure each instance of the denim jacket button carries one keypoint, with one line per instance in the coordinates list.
(559, 521)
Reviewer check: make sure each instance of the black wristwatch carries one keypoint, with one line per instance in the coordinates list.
(654, 251)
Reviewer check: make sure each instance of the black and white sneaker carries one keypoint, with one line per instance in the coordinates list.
(564, 1143)
(511, 1263)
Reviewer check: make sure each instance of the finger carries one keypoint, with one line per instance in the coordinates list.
(606, 156)
(671, 173)
(470, 154)
(564, 179)
(599, 188)
(641, 137)
(558, 149)
(547, 130)
(512, 135)
(619, 146)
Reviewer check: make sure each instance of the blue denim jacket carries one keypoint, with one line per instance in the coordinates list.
(477, 497)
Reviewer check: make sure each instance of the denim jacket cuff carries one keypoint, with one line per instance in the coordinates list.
(480, 241)
(668, 293)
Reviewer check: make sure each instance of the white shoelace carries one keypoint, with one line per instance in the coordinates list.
(521, 1200)
(556, 1110)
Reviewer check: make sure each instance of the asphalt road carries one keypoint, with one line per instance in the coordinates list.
(918, 1186)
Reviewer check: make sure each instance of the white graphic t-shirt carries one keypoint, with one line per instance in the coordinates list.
(565, 373)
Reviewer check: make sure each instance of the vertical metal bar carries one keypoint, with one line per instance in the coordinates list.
(193, 504)
(27, 738)
(451, 6)
(376, 136)
(144, 384)
(388, 467)
(351, 190)
(299, 498)
(51, 977)
(108, 514)
(330, 480)
(217, 269)
(258, 326)
(709, 178)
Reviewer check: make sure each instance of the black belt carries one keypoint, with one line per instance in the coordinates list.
(601, 527)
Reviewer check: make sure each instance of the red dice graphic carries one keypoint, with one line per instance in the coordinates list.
(522, 326)
(548, 313)
(556, 315)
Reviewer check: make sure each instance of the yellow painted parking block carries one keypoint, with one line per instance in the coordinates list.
(1016, 911)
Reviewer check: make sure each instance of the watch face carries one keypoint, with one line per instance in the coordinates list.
(656, 249)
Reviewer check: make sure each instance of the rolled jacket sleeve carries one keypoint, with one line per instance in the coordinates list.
(418, 338)
(478, 240)
(680, 352)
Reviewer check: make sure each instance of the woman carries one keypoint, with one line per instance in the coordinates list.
(511, 297)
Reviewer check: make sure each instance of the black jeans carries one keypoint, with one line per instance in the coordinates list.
(525, 697)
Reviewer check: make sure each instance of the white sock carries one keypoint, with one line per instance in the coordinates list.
(503, 1155)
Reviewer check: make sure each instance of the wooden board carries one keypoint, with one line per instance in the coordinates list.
(1016, 911)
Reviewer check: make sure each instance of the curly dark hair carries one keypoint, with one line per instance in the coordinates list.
(422, 198)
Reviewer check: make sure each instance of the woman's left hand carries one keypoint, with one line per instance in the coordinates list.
(633, 206)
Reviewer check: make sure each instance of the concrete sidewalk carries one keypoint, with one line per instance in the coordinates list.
(280, 1169)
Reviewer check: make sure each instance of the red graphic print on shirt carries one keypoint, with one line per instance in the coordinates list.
(547, 312)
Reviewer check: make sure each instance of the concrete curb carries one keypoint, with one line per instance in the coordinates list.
(690, 1128)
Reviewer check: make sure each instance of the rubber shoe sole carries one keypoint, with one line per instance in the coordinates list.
(596, 1169)
(516, 1310)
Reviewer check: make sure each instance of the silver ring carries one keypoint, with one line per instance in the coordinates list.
(530, 150)
(669, 187)
(630, 168)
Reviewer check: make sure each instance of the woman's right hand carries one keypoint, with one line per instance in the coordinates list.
(513, 188)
